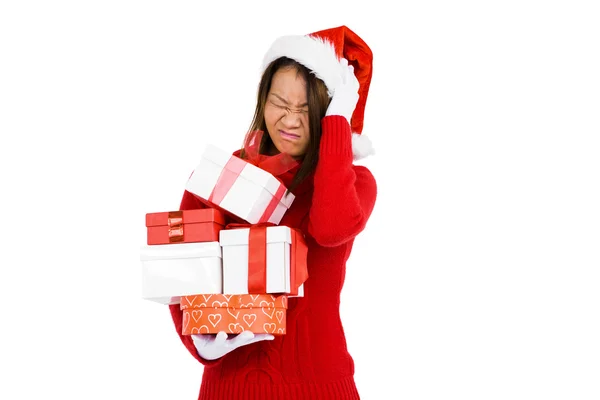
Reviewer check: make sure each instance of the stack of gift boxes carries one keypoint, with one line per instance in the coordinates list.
(226, 277)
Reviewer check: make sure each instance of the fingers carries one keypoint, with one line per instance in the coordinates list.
(220, 339)
(199, 341)
(351, 73)
(242, 339)
(353, 81)
(248, 337)
(347, 73)
(247, 334)
(202, 340)
(261, 336)
(344, 70)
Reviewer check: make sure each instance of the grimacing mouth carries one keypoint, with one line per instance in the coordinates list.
(281, 131)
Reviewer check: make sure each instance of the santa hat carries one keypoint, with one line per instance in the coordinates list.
(321, 52)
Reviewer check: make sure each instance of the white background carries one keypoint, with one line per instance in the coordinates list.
(477, 275)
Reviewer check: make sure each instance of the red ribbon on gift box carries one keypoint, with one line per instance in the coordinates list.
(226, 179)
(175, 223)
(257, 258)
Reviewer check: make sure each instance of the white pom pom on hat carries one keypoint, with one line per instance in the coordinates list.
(321, 53)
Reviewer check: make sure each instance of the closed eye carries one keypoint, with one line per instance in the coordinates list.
(281, 106)
(303, 111)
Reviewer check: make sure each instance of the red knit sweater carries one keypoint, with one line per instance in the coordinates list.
(311, 360)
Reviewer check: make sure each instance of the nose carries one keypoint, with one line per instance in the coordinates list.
(291, 119)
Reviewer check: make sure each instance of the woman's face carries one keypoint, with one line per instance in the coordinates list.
(286, 113)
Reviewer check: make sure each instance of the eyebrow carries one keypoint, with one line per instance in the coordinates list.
(287, 102)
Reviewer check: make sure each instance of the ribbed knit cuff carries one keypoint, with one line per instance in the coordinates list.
(336, 139)
(239, 389)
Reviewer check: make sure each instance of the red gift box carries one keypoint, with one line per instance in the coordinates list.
(187, 226)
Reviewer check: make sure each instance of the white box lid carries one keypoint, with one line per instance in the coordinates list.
(234, 237)
(180, 250)
(216, 155)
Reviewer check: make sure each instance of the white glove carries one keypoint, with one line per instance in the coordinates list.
(345, 96)
(211, 347)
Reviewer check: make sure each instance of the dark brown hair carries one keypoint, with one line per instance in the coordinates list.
(318, 100)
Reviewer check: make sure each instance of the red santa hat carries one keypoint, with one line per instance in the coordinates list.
(321, 52)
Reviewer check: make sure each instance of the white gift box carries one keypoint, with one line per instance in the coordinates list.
(235, 247)
(238, 187)
(170, 271)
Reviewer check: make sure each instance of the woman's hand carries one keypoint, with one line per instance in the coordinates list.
(211, 347)
(345, 96)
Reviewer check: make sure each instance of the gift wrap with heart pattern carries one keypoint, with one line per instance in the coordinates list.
(231, 313)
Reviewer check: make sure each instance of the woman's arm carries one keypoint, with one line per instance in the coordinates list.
(344, 194)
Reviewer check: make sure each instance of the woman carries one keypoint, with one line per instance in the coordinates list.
(309, 102)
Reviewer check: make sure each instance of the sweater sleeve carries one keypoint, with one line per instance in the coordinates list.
(344, 194)
(188, 202)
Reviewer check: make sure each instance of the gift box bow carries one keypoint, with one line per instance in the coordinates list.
(275, 165)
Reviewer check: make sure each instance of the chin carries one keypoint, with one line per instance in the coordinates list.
(285, 148)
